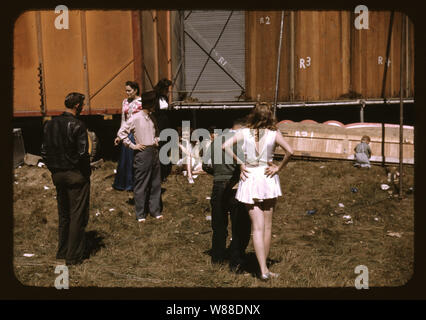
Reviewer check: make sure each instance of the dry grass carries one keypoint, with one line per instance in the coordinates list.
(317, 250)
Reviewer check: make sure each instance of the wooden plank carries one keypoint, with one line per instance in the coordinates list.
(63, 60)
(169, 54)
(85, 59)
(41, 67)
(292, 59)
(327, 141)
(26, 92)
(155, 45)
(137, 46)
(322, 55)
(111, 55)
(177, 54)
(369, 55)
(263, 28)
(163, 44)
(148, 49)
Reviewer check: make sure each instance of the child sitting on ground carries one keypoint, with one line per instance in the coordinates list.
(363, 153)
(191, 162)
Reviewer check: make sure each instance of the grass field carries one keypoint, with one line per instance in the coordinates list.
(318, 250)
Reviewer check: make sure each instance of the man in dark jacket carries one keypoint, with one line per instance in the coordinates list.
(225, 177)
(65, 152)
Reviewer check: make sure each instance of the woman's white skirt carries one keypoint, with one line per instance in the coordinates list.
(258, 186)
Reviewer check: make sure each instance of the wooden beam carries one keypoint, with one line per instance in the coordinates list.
(169, 54)
(85, 62)
(137, 47)
(155, 45)
(43, 103)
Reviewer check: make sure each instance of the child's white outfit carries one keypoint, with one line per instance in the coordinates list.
(196, 161)
(258, 186)
(362, 155)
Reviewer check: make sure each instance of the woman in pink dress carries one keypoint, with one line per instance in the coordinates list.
(131, 105)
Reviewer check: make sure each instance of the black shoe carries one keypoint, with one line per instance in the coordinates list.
(236, 268)
(73, 262)
(218, 261)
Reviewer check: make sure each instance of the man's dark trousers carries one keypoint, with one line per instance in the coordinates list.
(223, 201)
(147, 182)
(73, 195)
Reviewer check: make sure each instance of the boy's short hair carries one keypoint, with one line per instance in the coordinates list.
(73, 99)
(240, 121)
(148, 99)
(366, 138)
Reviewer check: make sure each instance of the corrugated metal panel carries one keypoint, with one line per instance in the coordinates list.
(26, 92)
(214, 84)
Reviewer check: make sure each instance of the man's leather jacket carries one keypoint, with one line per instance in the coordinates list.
(65, 144)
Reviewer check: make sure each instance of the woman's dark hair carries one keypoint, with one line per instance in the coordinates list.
(262, 117)
(73, 99)
(162, 84)
(134, 85)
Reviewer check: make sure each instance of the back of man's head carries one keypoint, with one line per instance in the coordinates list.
(238, 123)
(73, 99)
(148, 99)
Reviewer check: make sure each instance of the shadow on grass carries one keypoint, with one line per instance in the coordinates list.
(251, 264)
(94, 242)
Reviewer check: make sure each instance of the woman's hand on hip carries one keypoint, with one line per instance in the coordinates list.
(139, 147)
(271, 170)
(244, 172)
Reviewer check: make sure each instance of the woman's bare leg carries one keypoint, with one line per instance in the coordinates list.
(258, 230)
(268, 207)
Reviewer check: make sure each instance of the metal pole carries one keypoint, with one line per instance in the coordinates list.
(248, 105)
(182, 50)
(278, 64)
(401, 105)
(362, 111)
(292, 55)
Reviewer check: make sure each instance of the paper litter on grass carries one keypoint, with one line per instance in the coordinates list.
(394, 234)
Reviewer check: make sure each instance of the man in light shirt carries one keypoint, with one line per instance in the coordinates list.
(147, 174)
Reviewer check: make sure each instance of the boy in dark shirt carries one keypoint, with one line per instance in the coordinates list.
(225, 178)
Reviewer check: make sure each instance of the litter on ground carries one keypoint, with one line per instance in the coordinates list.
(394, 234)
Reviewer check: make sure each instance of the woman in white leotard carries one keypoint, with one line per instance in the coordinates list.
(259, 184)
